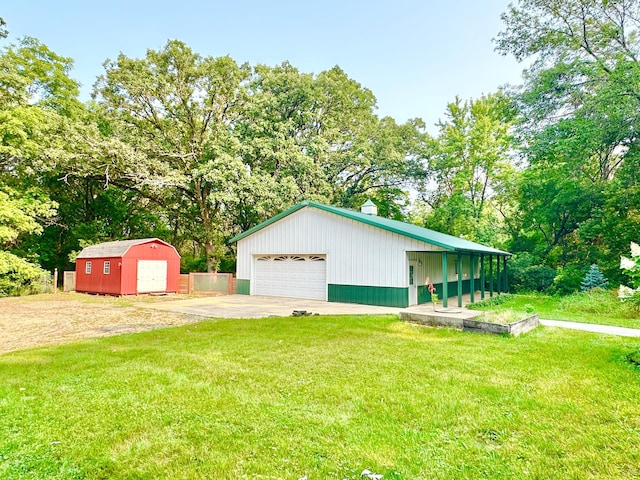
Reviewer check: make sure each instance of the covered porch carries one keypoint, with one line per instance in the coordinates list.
(457, 276)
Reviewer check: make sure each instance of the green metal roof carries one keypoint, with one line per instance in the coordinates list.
(442, 240)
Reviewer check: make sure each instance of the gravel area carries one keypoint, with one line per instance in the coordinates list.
(39, 320)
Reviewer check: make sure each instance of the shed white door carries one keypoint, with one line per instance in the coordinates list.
(152, 276)
(296, 276)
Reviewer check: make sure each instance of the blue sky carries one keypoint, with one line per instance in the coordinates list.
(415, 55)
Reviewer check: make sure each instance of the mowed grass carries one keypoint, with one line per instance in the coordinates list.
(598, 306)
(322, 397)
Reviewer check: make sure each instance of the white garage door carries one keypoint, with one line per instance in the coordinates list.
(152, 276)
(296, 276)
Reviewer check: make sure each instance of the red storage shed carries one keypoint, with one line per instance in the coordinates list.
(128, 267)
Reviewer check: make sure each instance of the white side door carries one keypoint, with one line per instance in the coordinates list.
(413, 286)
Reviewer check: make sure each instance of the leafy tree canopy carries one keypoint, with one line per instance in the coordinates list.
(470, 165)
(222, 146)
(579, 126)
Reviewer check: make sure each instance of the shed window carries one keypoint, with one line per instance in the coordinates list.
(87, 268)
(107, 268)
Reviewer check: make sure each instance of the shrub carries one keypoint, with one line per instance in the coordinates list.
(538, 278)
(517, 269)
(19, 277)
(568, 279)
(492, 301)
(594, 279)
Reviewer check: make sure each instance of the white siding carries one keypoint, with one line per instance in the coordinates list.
(357, 254)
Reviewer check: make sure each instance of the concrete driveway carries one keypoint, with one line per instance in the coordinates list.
(254, 306)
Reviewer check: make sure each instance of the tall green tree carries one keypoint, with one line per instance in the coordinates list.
(222, 146)
(580, 110)
(321, 133)
(37, 102)
(471, 166)
(169, 134)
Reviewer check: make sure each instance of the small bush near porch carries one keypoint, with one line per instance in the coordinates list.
(322, 397)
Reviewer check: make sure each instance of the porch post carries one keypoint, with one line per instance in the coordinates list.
(498, 278)
(445, 281)
(490, 276)
(506, 277)
(459, 262)
(472, 280)
(482, 284)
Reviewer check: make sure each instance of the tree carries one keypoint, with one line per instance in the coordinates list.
(20, 214)
(169, 134)
(579, 45)
(221, 147)
(3, 28)
(38, 101)
(580, 125)
(321, 134)
(593, 279)
(470, 162)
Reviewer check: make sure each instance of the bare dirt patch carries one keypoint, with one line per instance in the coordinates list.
(27, 322)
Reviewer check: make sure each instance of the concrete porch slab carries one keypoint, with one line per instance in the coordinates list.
(427, 315)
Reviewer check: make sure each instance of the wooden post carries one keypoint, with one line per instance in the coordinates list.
(55, 280)
(445, 281)
(490, 276)
(472, 280)
(482, 279)
(459, 262)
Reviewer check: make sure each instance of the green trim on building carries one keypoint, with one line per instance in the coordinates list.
(369, 295)
(243, 287)
(442, 240)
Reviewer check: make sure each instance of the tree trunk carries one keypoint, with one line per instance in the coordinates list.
(208, 252)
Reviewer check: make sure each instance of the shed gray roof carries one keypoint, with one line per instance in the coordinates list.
(114, 249)
(447, 242)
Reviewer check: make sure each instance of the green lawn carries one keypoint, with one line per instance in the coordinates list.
(602, 307)
(323, 397)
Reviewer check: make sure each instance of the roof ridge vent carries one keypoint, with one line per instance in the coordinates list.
(369, 208)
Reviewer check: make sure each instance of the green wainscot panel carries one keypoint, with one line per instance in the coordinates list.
(243, 287)
(369, 295)
(423, 293)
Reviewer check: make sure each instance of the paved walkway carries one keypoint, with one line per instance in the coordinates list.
(590, 327)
